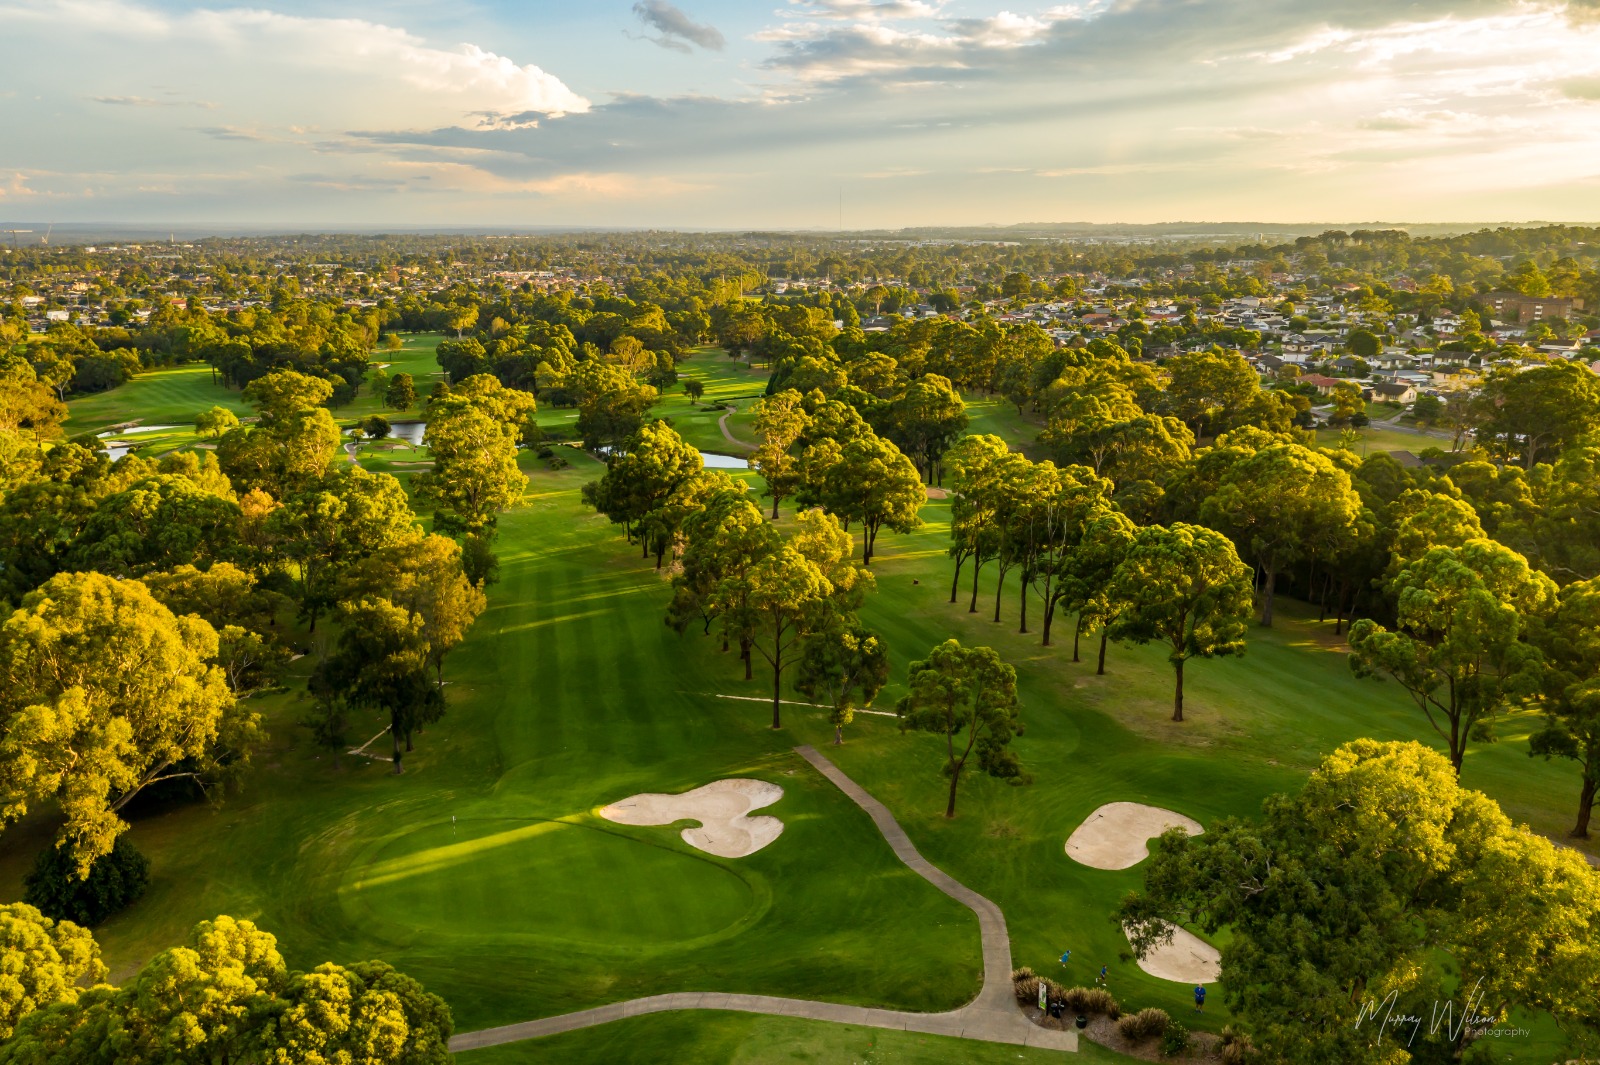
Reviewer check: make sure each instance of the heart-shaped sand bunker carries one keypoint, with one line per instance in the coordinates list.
(1117, 835)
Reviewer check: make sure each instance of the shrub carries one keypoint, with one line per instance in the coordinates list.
(1025, 984)
(1174, 1039)
(1145, 1024)
(1235, 1046)
(115, 881)
(1092, 1000)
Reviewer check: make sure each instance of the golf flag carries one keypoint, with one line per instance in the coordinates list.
(1044, 1003)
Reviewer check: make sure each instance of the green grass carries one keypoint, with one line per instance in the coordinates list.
(748, 1039)
(571, 693)
(729, 383)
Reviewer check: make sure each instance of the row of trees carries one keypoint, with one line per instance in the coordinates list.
(1462, 622)
(794, 603)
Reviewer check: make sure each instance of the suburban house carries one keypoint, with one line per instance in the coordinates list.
(1400, 392)
(1324, 385)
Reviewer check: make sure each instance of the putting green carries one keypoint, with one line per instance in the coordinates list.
(548, 880)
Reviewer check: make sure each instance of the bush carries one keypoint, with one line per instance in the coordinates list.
(1174, 1039)
(115, 881)
(1092, 1000)
(1145, 1024)
(1235, 1047)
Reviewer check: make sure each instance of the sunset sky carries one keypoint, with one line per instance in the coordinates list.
(714, 113)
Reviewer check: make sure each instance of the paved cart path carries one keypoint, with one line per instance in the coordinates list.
(992, 1017)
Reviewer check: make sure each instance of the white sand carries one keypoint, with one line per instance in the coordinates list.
(722, 808)
(1117, 835)
(1188, 959)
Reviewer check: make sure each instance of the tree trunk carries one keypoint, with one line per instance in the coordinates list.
(999, 589)
(394, 734)
(774, 507)
(1585, 806)
(955, 778)
(1177, 691)
(1338, 606)
(744, 653)
(977, 567)
(955, 582)
(1022, 595)
(1266, 607)
(838, 735)
(777, 687)
(1077, 631)
(1105, 635)
(1049, 617)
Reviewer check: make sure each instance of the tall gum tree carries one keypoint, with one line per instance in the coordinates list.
(1458, 648)
(968, 696)
(1184, 586)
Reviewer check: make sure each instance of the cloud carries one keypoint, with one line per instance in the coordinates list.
(16, 186)
(145, 101)
(257, 58)
(677, 30)
(863, 10)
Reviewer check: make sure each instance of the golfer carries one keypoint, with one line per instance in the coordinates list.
(1199, 997)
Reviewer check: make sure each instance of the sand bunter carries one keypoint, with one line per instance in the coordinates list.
(722, 808)
(1117, 835)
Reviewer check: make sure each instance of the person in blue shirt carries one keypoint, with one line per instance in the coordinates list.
(1102, 980)
(1066, 957)
(1199, 997)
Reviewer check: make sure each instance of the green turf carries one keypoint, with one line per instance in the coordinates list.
(747, 1039)
(729, 383)
(571, 693)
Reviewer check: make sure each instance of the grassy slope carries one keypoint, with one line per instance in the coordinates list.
(571, 693)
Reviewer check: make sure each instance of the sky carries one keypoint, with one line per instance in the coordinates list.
(799, 114)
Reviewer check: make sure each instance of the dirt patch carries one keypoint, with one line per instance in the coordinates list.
(722, 808)
(1117, 835)
(938, 493)
(1203, 1046)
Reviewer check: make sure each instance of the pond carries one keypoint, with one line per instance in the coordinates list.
(410, 432)
(710, 459)
(115, 451)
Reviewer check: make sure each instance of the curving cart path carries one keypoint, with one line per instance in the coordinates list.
(992, 1017)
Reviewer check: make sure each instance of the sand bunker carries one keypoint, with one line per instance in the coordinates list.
(722, 808)
(1188, 959)
(1117, 835)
